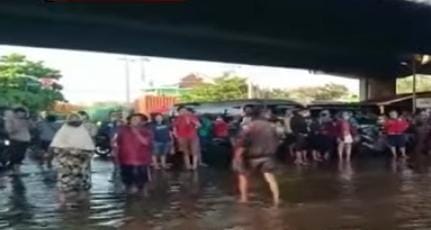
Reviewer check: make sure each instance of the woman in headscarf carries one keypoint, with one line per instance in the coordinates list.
(73, 148)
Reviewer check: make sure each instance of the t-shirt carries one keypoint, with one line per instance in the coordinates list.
(110, 129)
(18, 129)
(298, 125)
(344, 129)
(131, 149)
(221, 129)
(47, 130)
(161, 133)
(259, 139)
(205, 129)
(186, 126)
(396, 126)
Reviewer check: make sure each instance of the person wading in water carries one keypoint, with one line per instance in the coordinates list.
(255, 151)
(185, 130)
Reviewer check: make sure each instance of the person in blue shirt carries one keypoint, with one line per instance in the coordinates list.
(110, 128)
(162, 141)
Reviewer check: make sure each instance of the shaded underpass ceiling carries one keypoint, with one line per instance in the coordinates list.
(353, 37)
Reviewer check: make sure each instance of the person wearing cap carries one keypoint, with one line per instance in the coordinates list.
(73, 149)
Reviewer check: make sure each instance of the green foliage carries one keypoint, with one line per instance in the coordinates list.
(100, 111)
(327, 92)
(223, 88)
(405, 85)
(234, 87)
(20, 83)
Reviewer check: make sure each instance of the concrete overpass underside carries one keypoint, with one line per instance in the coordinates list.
(360, 38)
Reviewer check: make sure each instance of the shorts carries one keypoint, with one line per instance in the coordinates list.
(301, 142)
(397, 141)
(17, 151)
(189, 146)
(346, 140)
(262, 164)
(133, 175)
(161, 148)
(321, 143)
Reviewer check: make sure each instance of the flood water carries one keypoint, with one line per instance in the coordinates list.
(366, 194)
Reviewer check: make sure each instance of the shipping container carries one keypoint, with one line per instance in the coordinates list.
(155, 104)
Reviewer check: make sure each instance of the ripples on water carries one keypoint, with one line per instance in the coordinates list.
(372, 194)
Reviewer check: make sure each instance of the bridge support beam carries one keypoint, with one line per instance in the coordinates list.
(371, 88)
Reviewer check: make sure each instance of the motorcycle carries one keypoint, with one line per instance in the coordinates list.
(103, 145)
(371, 139)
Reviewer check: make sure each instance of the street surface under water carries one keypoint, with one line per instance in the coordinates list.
(367, 194)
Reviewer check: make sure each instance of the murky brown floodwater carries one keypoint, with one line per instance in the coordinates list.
(368, 194)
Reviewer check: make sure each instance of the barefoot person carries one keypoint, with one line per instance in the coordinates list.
(300, 128)
(134, 143)
(73, 148)
(47, 130)
(395, 128)
(163, 143)
(255, 150)
(185, 130)
(345, 136)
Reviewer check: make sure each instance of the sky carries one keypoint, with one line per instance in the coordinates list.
(94, 76)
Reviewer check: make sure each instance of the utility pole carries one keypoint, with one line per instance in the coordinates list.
(127, 60)
(127, 75)
(144, 73)
(249, 88)
(414, 94)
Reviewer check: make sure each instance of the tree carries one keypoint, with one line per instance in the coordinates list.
(328, 92)
(405, 85)
(191, 81)
(28, 83)
(230, 87)
(223, 88)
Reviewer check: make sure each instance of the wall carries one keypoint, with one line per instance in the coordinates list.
(371, 88)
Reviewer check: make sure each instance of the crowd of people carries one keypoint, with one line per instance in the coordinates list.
(138, 144)
(141, 144)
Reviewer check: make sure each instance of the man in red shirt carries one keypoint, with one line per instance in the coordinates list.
(395, 128)
(185, 130)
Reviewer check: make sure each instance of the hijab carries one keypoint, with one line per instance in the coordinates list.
(73, 135)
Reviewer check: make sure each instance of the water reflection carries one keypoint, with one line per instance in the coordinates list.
(346, 195)
(345, 170)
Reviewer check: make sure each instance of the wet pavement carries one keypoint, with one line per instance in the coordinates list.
(367, 194)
